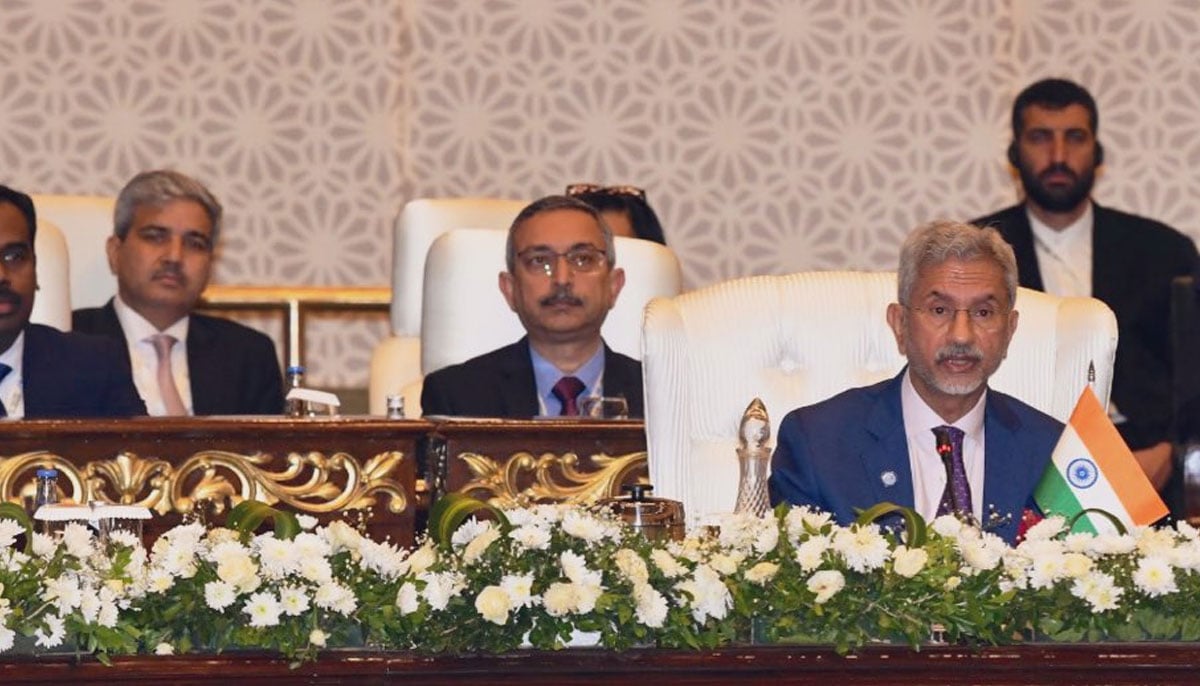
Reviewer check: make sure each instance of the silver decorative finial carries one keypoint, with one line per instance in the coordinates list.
(755, 429)
(754, 458)
(1091, 373)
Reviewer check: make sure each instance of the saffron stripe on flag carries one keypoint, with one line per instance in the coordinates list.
(1116, 462)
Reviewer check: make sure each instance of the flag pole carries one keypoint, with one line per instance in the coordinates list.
(1091, 375)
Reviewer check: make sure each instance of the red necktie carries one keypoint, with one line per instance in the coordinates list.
(567, 390)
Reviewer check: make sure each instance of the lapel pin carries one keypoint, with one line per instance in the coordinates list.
(888, 478)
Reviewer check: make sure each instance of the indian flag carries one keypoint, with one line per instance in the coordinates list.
(1092, 468)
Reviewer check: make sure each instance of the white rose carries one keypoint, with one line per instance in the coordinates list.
(406, 599)
(908, 562)
(493, 605)
(479, 545)
(632, 566)
(422, 559)
(825, 584)
(317, 637)
(762, 572)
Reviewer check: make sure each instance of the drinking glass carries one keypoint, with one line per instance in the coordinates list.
(604, 407)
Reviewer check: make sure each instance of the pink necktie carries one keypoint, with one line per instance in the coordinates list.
(172, 402)
(567, 390)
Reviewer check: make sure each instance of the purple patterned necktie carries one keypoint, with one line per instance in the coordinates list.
(957, 496)
(567, 389)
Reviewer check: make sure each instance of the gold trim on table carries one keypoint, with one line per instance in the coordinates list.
(523, 478)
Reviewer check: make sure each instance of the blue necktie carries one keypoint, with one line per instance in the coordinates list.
(4, 370)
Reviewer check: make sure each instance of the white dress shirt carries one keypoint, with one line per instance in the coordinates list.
(1064, 255)
(144, 359)
(11, 388)
(928, 471)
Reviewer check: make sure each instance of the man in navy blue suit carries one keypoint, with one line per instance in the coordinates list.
(45, 372)
(934, 438)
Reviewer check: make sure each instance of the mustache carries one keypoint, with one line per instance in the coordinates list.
(170, 269)
(11, 297)
(562, 295)
(1059, 168)
(959, 351)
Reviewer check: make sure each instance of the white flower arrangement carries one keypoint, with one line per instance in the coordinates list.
(541, 575)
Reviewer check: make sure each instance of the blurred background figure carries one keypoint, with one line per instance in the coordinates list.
(623, 208)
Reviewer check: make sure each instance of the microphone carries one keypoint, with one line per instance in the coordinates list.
(944, 450)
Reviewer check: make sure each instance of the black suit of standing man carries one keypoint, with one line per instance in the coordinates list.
(1133, 259)
(165, 227)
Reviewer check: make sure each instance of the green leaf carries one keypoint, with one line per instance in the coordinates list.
(1105, 513)
(17, 513)
(451, 510)
(914, 524)
(248, 515)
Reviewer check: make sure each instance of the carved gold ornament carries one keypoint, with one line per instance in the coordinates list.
(524, 478)
(310, 482)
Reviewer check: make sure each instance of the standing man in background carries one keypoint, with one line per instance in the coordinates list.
(165, 229)
(1068, 245)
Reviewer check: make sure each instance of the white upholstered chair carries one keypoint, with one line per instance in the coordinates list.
(52, 302)
(396, 362)
(86, 222)
(464, 314)
(797, 339)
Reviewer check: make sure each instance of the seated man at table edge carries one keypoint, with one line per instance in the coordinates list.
(561, 280)
(45, 373)
(953, 321)
(1069, 245)
(165, 229)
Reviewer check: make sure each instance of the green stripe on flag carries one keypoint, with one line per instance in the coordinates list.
(1055, 496)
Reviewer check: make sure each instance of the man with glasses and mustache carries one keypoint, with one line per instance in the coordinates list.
(45, 373)
(935, 437)
(165, 229)
(1069, 245)
(561, 280)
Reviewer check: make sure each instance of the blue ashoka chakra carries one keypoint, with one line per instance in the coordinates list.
(1082, 472)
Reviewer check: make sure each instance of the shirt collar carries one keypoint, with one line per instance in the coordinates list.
(920, 417)
(15, 355)
(137, 328)
(545, 374)
(1078, 232)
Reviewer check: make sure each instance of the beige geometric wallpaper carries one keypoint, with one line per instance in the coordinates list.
(771, 135)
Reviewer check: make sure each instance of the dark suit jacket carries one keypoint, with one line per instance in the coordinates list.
(73, 375)
(233, 368)
(833, 455)
(1133, 262)
(501, 384)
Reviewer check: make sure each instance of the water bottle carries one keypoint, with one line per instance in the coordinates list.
(395, 406)
(45, 494)
(295, 379)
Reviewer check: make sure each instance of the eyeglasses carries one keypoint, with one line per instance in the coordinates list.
(583, 259)
(984, 317)
(575, 189)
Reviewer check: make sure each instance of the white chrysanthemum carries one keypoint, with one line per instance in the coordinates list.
(709, 597)
(306, 522)
(1114, 544)
(952, 583)
(1080, 542)
(78, 540)
(316, 569)
(560, 599)
(159, 581)
(803, 520)
(585, 526)
(341, 536)
(309, 544)
(441, 587)
(980, 551)
(574, 566)
(108, 615)
(240, 571)
(1098, 590)
(1048, 528)
(726, 563)
(811, 553)
(293, 600)
(277, 558)
(1187, 531)
(7, 638)
(1154, 577)
(738, 530)
(64, 592)
(177, 560)
(947, 525)
(9, 530)
(531, 537)
(825, 584)
(632, 566)
(124, 538)
(651, 605)
(519, 588)
(1153, 542)
(263, 609)
(44, 546)
(164, 648)
(332, 595)
(89, 607)
(51, 635)
(422, 559)
(318, 638)
(493, 605)
(219, 595)
(470, 530)
(762, 573)
(407, 599)
(767, 537)
(667, 564)
(863, 548)
(1075, 565)
(479, 545)
(1186, 555)
(383, 558)
(1044, 570)
(908, 562)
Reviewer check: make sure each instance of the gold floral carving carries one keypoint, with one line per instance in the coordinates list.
(309, 482)
(525, 478)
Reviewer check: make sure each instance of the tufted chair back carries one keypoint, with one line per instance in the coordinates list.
(396, 362)
(52, 303)
(86, 222)
(798, 339)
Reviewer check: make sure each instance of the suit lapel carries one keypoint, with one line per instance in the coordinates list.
(884, 450)
(518, 389)
(1007, 469)
(204, 365)
(1108, 279)
(1019, 234)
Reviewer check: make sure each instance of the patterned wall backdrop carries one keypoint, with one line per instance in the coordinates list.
(772, 135)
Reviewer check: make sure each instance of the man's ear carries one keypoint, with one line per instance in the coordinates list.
(507, 289)
(895, 319)
(111, 248)
(616, 281)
